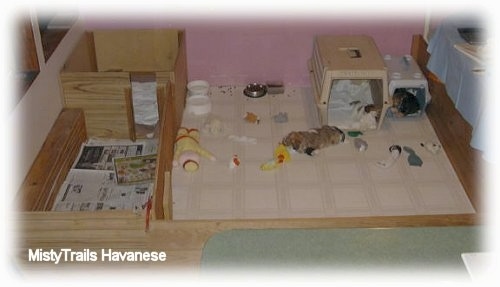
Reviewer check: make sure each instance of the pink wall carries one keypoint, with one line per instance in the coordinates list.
(242, 51)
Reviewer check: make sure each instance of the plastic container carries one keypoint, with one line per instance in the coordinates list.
(198, 87)
(198, 105)
(404, 73)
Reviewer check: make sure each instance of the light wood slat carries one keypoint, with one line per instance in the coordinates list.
(103, 98)
(136, 49)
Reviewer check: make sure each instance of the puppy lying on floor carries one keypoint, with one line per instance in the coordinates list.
(311, 141)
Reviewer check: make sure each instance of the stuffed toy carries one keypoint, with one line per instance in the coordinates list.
(188, 150)
(281, 155)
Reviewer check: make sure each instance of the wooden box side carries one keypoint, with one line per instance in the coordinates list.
(178, 78)
(105, 100)
(162, 199)
(83, 58)
(452, 129)
(53, 162)
(136, 50)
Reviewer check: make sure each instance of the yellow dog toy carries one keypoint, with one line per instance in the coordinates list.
(188, 150)
(281, 155)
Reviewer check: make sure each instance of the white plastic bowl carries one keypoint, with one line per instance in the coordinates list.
(198, 105)
(198, 87)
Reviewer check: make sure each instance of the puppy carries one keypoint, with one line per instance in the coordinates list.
(309, 142)
(359, 110)
(404, 103)
(365, 117)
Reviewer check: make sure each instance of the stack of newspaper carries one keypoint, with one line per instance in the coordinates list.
(109, 175)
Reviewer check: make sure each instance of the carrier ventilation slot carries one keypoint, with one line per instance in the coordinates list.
(352, 52)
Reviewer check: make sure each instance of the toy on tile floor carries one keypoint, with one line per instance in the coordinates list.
(213, 126)
(281, 117)
(311, 141)
(432, 147)
(395, 151)
(242, 139)
(251, 118)
(413, 158)
(234, 162)
(360, 144)
(281, 155)
(354, 134)
(188, 150)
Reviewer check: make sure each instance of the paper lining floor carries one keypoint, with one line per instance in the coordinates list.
(340, 181)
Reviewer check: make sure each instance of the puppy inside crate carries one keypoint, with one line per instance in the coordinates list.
(405, 102)
(311, 141)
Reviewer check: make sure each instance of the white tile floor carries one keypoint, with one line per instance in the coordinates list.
(340, 181)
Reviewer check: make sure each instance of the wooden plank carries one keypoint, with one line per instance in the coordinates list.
(129, 108)
(180, 79)
(452, 130)
(165, 153)
(102, 220)
(102, 96)
(27, 56)
(182, 240)
(53, 161)
(82, 59)
(136, 50)
(168, 199)
(67, 160)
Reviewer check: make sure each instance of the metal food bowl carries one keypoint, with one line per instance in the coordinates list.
(255, 90)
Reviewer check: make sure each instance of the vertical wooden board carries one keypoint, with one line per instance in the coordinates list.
(165, 153)
(179, 78)
(102, 96)
(163, 88)
(136, 50)
(53, 161)
(163, 78)
(82, 59)
(27, 57)
(129, 108)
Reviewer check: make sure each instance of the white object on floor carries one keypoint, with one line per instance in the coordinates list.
(395, 153)
(242, 139)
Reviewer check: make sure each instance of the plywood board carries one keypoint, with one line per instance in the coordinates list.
(103, 98)
(136, 50)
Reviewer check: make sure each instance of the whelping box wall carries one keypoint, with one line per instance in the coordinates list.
(97, 75)
(347, 57)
